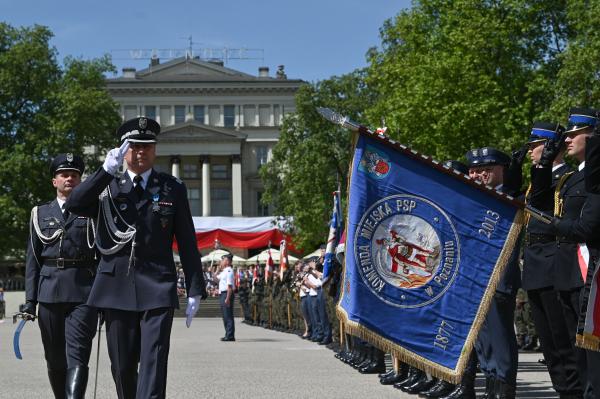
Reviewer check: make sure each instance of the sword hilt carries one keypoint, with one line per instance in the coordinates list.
(23, 316)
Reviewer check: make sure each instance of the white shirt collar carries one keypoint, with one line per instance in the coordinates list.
(581, 166)
(145, 177)
(60, 203)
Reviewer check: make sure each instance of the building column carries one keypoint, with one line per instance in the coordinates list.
(236, 185)
(175, 162)
(205, 185)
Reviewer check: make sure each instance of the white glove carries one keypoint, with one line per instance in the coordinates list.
(114, 158)
(192, 308)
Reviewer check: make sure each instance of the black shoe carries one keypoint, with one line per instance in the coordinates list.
(504, 391)
(387, 373)
(363, 364)
(326, 341)
(422, 385)
(441, 388)
(462, 391)
(225, 339)
(391, 379)
(373, 368)
(542, 361)
(77, 378)
(531, 345)
(412, 379)
(490, 388)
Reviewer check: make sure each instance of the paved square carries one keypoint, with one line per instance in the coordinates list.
(260, 364)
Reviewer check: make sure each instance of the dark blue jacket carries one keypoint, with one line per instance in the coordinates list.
(149, 281)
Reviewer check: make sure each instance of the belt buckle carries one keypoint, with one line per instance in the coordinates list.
(60, 263)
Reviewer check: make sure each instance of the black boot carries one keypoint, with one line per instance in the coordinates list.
(504, 390)
(490, 388)
(77, 378)
(377, 364)
(442, 388)
(422, 385)
(396, 376)
(532, 344)
(464, 390)
(388, 373)
(58, 380)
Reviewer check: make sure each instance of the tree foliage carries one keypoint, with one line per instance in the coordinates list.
(45, 109)
(312, 156)
(449, 75)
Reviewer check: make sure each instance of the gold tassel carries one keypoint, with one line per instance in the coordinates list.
(588, 341)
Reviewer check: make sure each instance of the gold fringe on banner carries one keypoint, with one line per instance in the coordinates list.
(588, 341)
(437, 370)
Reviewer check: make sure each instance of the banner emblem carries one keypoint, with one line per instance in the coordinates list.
(375, 163)
(407, 250)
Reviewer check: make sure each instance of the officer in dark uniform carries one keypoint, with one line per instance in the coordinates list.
(139, 212)
(496, 344)
(539, 277)
(577, 228)
(60, 269)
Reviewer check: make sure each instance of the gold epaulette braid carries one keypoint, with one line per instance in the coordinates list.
(527, 215)
(558, 201)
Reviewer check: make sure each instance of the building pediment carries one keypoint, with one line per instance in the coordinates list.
(185, 69)
(193, 131)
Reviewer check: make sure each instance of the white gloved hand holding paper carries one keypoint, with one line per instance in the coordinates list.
(192, 308)
(114, 158)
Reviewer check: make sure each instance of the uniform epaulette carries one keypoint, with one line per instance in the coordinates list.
(168, 176)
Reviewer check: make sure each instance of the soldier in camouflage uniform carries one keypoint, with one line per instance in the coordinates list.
(526, 335)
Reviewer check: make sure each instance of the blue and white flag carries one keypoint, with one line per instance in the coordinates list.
(333, 238)
(425, 248)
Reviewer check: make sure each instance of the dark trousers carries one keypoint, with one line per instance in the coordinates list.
(67, 333)
(306, 313)
(496, 345)
(139, 338)
(553, 332)
(322, 310)
(246, 310)
(227, 311)
(317, 332)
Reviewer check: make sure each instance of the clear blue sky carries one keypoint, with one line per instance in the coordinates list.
(313, 39)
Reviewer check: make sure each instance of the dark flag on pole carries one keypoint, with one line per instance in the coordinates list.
(425, 249)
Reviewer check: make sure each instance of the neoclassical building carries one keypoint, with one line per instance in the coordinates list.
(218, 126)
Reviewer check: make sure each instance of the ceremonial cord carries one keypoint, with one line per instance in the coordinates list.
(35, 225)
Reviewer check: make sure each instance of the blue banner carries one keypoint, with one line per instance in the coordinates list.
(333, 237)
(425, 248)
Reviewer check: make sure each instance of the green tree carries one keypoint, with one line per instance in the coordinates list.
(453, 75)
(45, 109)
(312, 156)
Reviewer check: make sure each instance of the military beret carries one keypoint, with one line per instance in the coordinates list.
(582, 118)
(486, 156)
(67, 162)
(461, 167)
(544, 130)
(139, 130)
(228, 256)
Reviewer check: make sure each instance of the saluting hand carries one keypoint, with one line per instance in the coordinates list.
(552, 148)
(114, 158)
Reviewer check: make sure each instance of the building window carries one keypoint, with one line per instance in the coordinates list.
(130, 112)
(229, 115)
(220, 202)
(190, 171)
(249, 115)
(262, 155)
(214, 115)
(219, 172)
(276, 115)
(199, 113)
(264, 115)
(261, 209)
(179, 113)
(195, 201)
(150, 111)
(165, 115)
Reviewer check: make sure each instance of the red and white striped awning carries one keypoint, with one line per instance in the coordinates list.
(239, 232)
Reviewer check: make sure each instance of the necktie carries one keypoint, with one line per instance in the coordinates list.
(138, 190)
(65, 212)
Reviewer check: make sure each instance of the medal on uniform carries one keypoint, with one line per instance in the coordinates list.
(155, 206)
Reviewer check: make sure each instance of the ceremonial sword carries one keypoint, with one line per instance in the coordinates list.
(25, 317)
